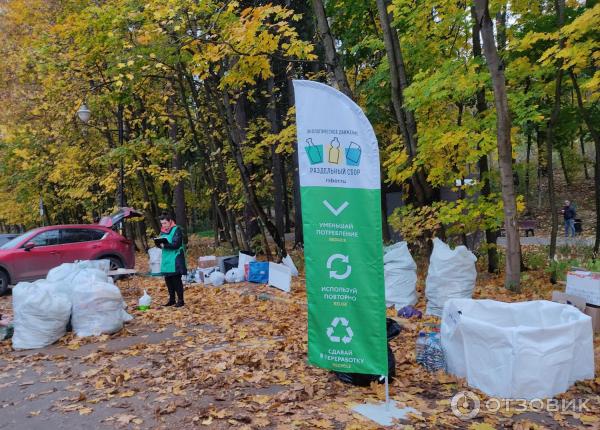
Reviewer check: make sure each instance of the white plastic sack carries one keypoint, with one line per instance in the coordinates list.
(234, 275)
(451, 275)
(400, 274)
(524, 350)
(216, 278)
(67, 275)
(85, 276)
(290, 263)
(145, 300)
(98, 308)
(155, 255)
(102, 265)
(61, 272)
(41, 314)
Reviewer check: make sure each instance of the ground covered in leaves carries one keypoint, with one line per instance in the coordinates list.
(235, 357)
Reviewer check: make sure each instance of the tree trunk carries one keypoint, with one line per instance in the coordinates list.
(560, 12)
(501, 29)
(583, 156)
(503, 123)
(527, 164)
(298, 227)
(219, 178)
(561, 153)
(252, 198)
(405, 117)
(215, 223)
(541, 165)
(179, 191)
(595, 133)
(491, 236)
(332, 60)
(277, 163)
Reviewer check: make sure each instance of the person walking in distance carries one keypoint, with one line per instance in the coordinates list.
(172, 264)
(569, 216)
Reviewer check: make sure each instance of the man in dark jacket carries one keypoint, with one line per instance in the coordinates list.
(569, 216)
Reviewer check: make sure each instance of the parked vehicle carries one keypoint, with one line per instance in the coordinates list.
(5, 237)
(31, 255)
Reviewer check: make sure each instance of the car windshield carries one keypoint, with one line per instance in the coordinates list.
(14, 242)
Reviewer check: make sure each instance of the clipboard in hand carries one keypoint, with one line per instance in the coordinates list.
(160, 241)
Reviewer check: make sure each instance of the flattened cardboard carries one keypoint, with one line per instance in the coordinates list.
(585, 285)
(579, 303)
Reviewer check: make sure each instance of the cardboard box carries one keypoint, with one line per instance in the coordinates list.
(207, 261)
(584, 284)
(590, 310)
(594, 312)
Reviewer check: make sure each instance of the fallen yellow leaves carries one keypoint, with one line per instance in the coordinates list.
(230, 360)
(260, 399)
(589, 419)
(322, 424)
(481, 426)
(85, 411)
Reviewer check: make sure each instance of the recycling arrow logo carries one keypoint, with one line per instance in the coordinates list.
(334, 324)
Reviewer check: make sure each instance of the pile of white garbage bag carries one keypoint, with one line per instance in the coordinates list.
(451, 275)
(400, 274)
(81, 291)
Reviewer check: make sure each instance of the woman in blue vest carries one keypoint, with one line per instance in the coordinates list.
(172, 264)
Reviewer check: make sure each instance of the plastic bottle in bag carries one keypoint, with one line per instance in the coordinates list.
(144, 302)
(420, 347)
(434, 355)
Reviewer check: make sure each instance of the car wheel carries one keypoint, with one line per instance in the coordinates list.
(115, 263)
(3, 283)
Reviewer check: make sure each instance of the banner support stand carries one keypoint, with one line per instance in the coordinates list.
(384, 414)
(387, 394)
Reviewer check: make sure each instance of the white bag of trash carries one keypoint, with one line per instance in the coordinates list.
(41, 314)
(234, 275)
(103, 265)
(61, 272)
(451, 275)
(98, 308)
(144, 302)
(84, 276)
(400, 273)
(216, 278)
(67, 275)
(287, 260)
(525, 350)
(155, 256)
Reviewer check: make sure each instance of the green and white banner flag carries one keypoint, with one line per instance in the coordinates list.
(341, 212)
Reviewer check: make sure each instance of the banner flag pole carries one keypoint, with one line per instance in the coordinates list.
(340, 193)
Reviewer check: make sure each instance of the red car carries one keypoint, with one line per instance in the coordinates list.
(31, 255)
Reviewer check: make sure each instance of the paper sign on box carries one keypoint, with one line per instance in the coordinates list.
(585, 285)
